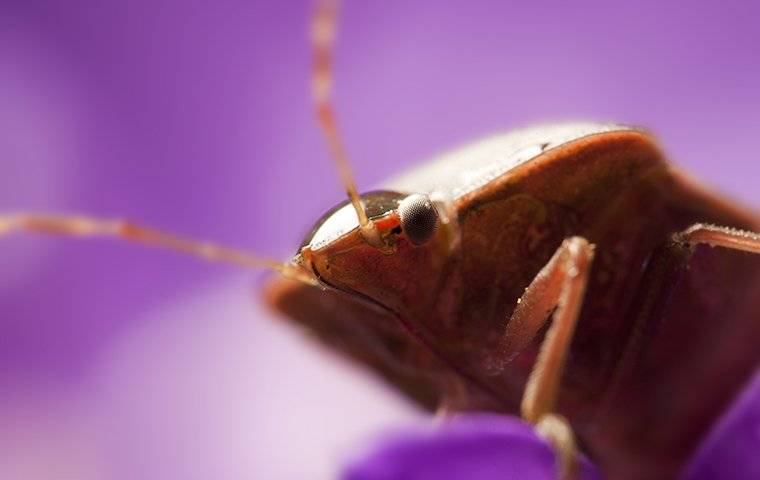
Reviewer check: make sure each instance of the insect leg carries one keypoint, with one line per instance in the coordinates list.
(85, 226)
(715, 236)
(559, 286)
(663, 268)
(533, 309)
(456, 397)
(721, 347)
(557, 431)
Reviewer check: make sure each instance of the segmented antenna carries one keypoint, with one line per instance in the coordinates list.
(323, 39)
(85, 226)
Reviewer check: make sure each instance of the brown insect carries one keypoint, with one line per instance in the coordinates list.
(445, 281)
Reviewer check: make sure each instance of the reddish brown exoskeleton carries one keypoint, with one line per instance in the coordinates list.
(668, 328)
(444, 281)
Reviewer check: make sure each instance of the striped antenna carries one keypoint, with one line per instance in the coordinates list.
(323, 40)
(86, 226)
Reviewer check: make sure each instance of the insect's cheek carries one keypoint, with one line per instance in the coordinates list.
(403, 281)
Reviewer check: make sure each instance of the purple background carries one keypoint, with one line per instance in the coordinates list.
(196, 117)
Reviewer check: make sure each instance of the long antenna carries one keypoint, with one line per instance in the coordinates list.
(323, 39)
(85, 226)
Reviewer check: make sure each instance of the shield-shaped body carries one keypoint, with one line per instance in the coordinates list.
(667, 334)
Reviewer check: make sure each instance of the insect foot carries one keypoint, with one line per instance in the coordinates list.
(556, 430)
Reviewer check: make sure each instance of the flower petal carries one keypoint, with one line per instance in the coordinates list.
(472, 447)
(731, 450)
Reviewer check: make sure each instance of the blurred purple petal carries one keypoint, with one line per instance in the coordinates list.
(471, 447)
(732, 449)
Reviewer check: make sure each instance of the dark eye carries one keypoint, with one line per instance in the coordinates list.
(418, 218)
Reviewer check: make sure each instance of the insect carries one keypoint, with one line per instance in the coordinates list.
(444, 338)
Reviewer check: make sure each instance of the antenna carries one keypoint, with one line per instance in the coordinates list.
(85, 226)
(323, 39)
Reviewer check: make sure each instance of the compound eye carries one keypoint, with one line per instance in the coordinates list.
(419, 219)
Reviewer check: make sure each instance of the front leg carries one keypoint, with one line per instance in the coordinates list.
(567, 273)
(559, 287)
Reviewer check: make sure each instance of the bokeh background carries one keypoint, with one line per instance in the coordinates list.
(121, 362)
